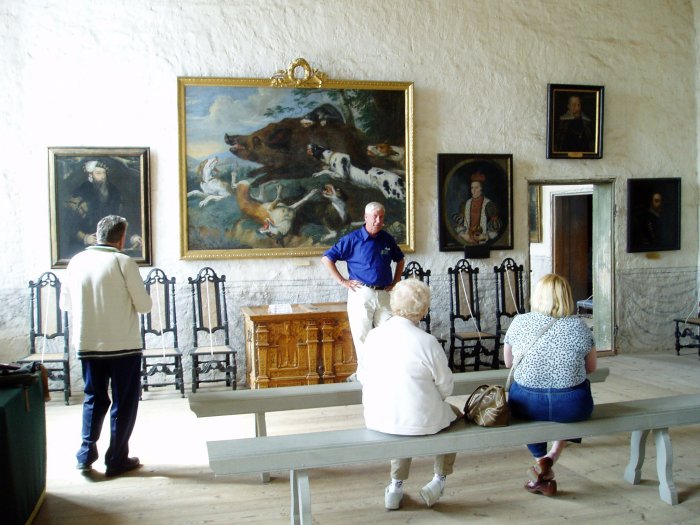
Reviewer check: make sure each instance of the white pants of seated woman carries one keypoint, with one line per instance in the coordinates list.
(367, 308)
(443, 465)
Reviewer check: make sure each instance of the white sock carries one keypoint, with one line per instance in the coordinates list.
(396, 485)
(440, 478)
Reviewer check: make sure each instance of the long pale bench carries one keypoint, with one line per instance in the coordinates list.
(301, 452)
(261, 401)
(282, 399)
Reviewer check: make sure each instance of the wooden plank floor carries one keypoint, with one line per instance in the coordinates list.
(176, 487)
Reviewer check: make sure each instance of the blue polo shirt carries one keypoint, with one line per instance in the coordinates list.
(368, 258)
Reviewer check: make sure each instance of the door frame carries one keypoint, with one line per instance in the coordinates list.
(603, 260)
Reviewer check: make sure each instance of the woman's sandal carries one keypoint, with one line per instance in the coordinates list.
(543, 488)
(542, 471)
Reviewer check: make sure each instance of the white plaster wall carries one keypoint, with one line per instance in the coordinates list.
(86, 73)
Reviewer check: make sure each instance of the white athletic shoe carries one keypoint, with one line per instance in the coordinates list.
(392, 500)
(432, 492)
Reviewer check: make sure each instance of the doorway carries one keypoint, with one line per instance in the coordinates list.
(574, 238)
(572, 241)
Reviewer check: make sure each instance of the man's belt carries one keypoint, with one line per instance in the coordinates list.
(374, 287)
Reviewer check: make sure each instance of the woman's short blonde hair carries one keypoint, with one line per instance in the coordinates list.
(553, 296)
(410, 298)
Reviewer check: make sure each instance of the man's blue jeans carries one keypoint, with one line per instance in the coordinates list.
(562, 405)
(124, 374)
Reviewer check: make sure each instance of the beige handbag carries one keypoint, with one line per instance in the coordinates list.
(487, 406)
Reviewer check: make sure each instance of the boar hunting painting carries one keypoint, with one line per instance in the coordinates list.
(284, 166)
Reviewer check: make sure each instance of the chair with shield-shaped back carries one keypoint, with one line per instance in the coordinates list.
(211, 352)
(466, 334)
(413, 270)
(510, 299)
(48, 333)
(161, 364)
(687, 332)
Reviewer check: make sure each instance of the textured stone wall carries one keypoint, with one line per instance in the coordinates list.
(85, 73)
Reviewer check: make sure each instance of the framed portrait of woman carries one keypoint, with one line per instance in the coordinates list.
(475, 201)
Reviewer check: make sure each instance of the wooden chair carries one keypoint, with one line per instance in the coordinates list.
(414, 270)
(465, 319)
(510, 299)
(688, 333)
(161, 353)
(210, 318)
(48, 333)
(584, 307)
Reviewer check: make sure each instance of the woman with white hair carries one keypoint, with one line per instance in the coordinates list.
(405, 380)
(553, 351)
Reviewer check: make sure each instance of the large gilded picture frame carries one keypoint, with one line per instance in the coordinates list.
(86, 184)
(284, 166)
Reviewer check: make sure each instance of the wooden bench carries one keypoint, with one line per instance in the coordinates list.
(261, 401)
(301, 452)
(282, 399)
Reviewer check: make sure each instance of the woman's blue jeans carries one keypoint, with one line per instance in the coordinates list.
(562, 405)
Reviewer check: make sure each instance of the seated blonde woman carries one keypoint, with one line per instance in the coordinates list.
(405, 380)
(553, 349)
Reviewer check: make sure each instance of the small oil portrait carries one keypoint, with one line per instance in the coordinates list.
(653, 215)
(575, 122)
(475, 201)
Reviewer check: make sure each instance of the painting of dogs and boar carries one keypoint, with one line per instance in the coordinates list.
(268, 171)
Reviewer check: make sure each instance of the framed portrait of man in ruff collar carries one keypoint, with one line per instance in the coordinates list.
(475, 201)
(574, 121)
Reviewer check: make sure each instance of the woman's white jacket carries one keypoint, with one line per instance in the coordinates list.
(405, 380)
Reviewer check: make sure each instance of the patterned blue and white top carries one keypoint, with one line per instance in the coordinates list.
(557, 358)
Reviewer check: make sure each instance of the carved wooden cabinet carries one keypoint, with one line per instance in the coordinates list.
(308, 345)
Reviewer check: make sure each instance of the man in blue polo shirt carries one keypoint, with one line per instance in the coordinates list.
(368, 253)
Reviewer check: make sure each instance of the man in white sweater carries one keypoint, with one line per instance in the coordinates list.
(104, 293)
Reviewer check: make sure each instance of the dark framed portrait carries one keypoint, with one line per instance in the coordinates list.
(653, 215)
(284, 166)
(475, 201)
(574, 121)
(535, 212)
(86, 184)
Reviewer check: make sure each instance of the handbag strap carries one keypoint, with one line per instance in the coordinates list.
(522, 356)
(479, 393)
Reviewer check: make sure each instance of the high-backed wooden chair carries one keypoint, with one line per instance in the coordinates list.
(210, 330)
(413, 270)
(48, 333)
(688, 333)
(466, 334)
(510, 299)
(161, 353)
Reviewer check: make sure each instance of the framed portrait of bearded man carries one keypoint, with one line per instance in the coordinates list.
(475, 201)
(86, 184)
